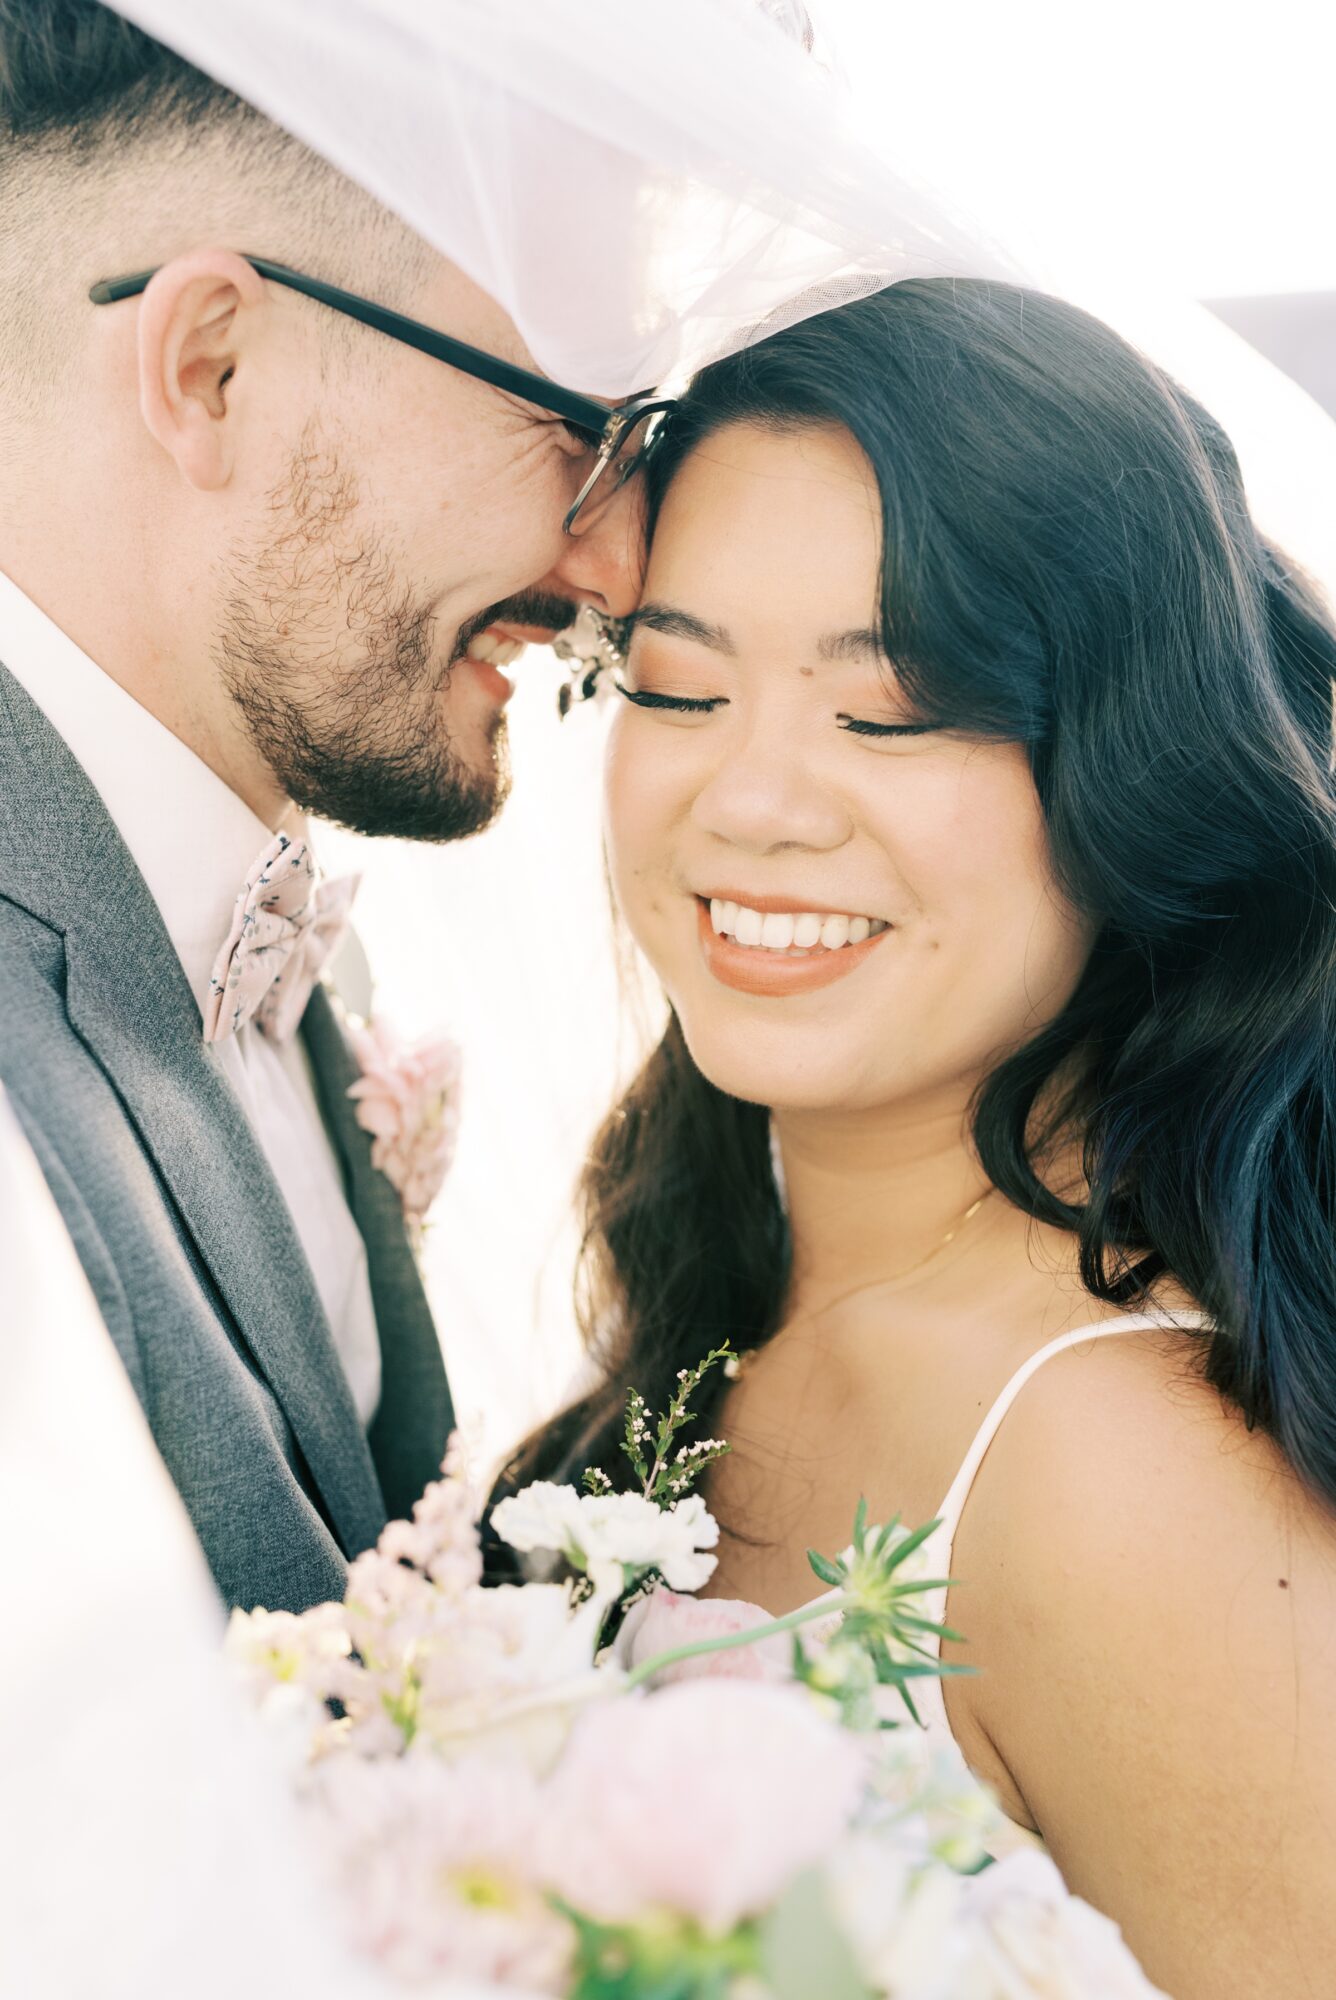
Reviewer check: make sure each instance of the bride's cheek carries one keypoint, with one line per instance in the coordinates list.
(620, 818)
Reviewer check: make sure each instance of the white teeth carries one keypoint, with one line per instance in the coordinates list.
(490, 646)
(775, 930)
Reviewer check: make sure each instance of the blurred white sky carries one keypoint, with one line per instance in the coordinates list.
(1186, 143)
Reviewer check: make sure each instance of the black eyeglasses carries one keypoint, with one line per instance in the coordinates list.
(620, 434)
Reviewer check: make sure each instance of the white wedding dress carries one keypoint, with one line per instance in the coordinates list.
(937, 1550)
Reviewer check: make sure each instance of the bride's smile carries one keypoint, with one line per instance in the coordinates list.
(756, 947)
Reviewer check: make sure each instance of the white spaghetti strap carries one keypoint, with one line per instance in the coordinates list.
(929, 1694)
(954, 1504)
(938, 1548)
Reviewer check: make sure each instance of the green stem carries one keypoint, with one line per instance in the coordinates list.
(727, 1641)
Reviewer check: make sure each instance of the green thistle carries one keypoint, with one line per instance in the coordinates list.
(879, 1619)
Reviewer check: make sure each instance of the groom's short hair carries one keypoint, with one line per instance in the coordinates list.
(101, 125)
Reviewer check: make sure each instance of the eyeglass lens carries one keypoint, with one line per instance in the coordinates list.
(616, 471)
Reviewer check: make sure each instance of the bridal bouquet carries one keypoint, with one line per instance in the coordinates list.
(602, 1787)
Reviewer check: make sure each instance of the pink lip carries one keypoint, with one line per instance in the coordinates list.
(491, 678)
(771, 975)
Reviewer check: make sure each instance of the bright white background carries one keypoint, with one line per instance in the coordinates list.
(1182, 146)
(1186, 143)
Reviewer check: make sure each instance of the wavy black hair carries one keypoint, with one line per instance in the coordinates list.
(1068, 563)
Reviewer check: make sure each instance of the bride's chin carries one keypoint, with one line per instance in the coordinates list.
(778, 1077)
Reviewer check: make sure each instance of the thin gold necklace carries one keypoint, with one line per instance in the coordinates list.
(738, 1363)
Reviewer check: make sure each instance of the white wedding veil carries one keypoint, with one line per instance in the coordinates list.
(644, 184)
(639, 185)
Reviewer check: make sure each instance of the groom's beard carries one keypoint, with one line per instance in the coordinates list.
(366, 746)
(340, 676)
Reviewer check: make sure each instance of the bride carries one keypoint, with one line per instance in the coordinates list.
(970, 795)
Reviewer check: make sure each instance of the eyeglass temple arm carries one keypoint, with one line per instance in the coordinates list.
(568, 403)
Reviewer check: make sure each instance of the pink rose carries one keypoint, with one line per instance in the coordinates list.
(667, 1620)
(706, 1799)
(408, 1100)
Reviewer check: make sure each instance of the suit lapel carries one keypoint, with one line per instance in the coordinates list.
(129, 1001)
(413, 1421)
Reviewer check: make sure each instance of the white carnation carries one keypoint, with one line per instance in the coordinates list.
(613, 1537)
(540, 1516)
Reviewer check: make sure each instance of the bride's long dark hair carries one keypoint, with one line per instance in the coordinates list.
(1069, 563)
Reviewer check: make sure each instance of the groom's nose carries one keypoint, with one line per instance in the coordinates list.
(603, 564)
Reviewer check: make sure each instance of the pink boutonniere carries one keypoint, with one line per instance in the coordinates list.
(408, 1100)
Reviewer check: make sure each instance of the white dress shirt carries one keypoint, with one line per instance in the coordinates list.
(194, 842)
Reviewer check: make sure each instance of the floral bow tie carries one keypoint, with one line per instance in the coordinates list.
(285, 926)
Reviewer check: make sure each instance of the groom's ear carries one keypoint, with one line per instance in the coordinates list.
(194, 320)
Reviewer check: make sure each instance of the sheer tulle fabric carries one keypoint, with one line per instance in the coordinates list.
(639, 186)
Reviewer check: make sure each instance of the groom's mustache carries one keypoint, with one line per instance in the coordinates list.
(533, 611)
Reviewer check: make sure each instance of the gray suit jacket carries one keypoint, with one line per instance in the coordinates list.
(176, 1216)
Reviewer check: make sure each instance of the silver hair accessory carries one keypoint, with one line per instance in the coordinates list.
(592, 643)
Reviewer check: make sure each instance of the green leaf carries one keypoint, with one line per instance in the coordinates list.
(667, 1958)
(907, 1619)
(910, 1543)
(825, 1569)
(804, 1953)
(860, 1522)
(885, 1535)
(921, 1670)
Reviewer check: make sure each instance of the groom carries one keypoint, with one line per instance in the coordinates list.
(251, 554)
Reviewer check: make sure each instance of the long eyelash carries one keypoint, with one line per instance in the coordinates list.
(684, 704)
(857, 728)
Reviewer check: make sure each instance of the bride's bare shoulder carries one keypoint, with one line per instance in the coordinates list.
(1121, 1469)
(1150, 1592)
(1130, 1421)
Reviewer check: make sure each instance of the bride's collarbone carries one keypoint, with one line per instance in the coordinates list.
(893, 1397)
(816, 1426)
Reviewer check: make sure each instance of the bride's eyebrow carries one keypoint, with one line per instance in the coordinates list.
(675, 623)
(850, 645)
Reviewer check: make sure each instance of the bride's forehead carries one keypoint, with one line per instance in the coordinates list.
(759, 459)
(756, 517)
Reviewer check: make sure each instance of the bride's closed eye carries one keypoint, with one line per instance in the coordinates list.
(681, 704)
(860, 726)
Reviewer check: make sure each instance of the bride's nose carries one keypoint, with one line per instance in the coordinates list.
(764, 796)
